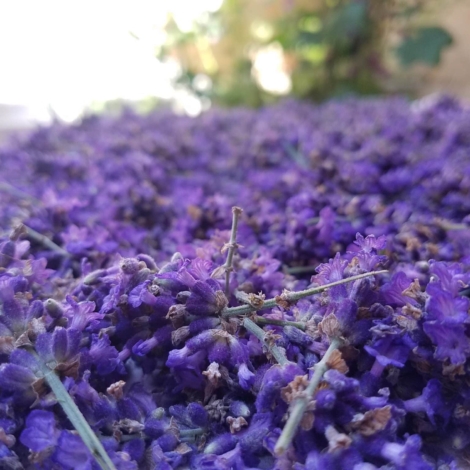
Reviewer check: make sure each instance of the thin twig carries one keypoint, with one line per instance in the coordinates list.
(277, 352)
(292, 297)
(299, 405)
(232, 246)
(8, 188)
(76, 418)
(296, 155)
(191, 432)
(299, 269)
(272, 321)
(449, 225)
(43, 240)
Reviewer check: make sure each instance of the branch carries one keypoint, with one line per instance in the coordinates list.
(8, 188)
(231, 246)
(292, 297)
(272, 321)
(276, 351)
(299, 405)
(76, 418)
(43, 240)
(299, 269)
(191, 432)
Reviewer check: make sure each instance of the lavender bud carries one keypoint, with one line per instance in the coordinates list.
(36, 309)
(179, 336)
(182, 297)
(154, 428)
(221, 444)
(140, 276)
(53, 308)
(297, 336)
(148, 261)
(130, 265)
(7, 253)
(158, 413)
(198, 414)
(94, 277)
(176, 257)
(168, 442)
(239, 409)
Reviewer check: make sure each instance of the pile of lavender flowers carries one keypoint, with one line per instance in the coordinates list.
(145, 324)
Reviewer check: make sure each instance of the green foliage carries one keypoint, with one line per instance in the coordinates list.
(335, 49)
(425, 45)
(335, 56)
(345, 25)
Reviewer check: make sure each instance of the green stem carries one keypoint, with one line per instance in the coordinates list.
(295, 296)
(449, 225)
(232, 246)
(299, 269)
(299, 405)
(8, 188)
(277, 352)
(76, 418)
(191, 432)
(43, 240)
(272, 321)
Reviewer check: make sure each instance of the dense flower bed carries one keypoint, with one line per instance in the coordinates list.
(113, 275)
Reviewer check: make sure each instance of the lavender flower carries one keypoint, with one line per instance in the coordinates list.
(122, 331)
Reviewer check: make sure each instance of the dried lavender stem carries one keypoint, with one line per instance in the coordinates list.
(449, 225)
(277, 352)
(43, 240)
(299, 269)
(191, 432)
(8, 188)
(272, 321)
(76, 418)
(300, 404)
(232, 246)
(294, 296)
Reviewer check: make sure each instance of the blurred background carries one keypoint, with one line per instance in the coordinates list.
(61, 59)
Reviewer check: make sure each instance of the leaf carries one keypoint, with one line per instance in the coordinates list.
(346, 22)
(308, 38)
(424, 46)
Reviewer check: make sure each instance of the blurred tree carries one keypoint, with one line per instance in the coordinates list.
(321, 48)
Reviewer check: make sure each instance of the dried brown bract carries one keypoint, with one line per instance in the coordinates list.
(8, 439)
(256, 300)
(372, 421)
(411, 311)
(295, 388)
(177, 315)
(236, 424)
(217, 409)
(330, 326)
(453, 370)
(180, 335)
(311, 328)
(271, 338)
(116, 390)
(307, 421)
(283, 300)
(414, 291)
(213, 373)
(220, 300)
(337, 362)
(230, 325)
(337, 440)
(183, 448)
(130, 426)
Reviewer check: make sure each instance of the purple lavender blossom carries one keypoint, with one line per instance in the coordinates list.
(115, 284)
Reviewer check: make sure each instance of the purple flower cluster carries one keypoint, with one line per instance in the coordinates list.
(113, 280)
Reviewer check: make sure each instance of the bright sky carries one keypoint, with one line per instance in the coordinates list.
(66, 55)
